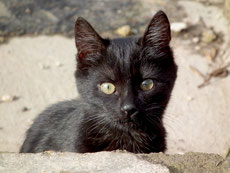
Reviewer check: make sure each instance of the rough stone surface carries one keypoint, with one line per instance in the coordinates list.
(113, 162)
(104, 162)
(191, 162)
(49, 17)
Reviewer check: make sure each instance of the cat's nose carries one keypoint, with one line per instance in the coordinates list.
(130, 110)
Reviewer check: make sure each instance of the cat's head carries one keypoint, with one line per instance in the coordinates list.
(127, 78)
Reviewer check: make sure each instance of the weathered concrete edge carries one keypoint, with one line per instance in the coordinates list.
(190, 162)
(117, 161)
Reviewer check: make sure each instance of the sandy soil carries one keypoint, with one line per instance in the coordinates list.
(22, 74)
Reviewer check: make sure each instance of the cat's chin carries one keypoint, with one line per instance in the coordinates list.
(127, 124)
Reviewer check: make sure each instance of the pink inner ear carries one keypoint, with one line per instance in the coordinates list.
(85, 54)
(82, 55)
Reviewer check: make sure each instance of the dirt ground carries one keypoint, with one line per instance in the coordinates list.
(38, 71)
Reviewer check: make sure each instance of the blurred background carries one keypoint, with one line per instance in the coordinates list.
(37, 62)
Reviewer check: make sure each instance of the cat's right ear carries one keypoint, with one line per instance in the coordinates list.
(87, 39)
(158, 32)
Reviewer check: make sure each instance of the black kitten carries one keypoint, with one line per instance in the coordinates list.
(124, 86)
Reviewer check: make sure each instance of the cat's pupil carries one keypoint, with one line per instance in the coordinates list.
(107, 88)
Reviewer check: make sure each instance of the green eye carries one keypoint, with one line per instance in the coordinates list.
(147, 85)
(107, 88)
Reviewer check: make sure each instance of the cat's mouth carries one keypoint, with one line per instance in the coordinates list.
(126, 122)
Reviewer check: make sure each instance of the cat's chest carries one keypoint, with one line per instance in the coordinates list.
(131, 140)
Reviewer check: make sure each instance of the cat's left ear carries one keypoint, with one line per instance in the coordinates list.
(158, 32)
(87, 39)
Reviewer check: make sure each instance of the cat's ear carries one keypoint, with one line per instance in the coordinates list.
(87, 39)
(158, 32)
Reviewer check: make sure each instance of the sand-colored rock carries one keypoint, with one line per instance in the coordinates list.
(103, 162)
(124, 31)
(208, 36)
(113, 162)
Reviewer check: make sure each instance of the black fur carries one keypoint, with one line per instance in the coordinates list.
(96, 121)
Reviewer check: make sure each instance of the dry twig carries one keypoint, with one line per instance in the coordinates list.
(219, 72)
(196, 71)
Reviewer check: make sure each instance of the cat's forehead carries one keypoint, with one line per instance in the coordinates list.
(126, 59)
(124, 41)
(123, 47)
(118, 63)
